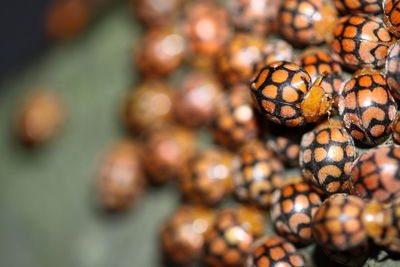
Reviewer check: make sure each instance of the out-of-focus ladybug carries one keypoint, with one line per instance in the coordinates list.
(337, 225)
(228, 242)
(391, 16)
(293, 207)
(326, 157)
(256, 16)
(396, 129)
(259, 175)
(236, 60)
(160, 52)
(197, 99)
(272, 251)
(284, 94)
(155, 13)
(367, 107)
(234, 123)
(358, 6)
(307, 22)
(148, 106)
(317, 62)
(285, 147)
(120, 180)
(361, 41)
(393, 70)
(206, 27)
(207, 178)
(166, 150)
(182, 236)
(376, 174)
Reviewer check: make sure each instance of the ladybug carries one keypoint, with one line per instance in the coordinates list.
(306, 22)
(259, 175)
(396, 129)
(284, 94)
(234, 123)
(256, 16)
(207, 178)
(337, 224)
(326, 157)
(252, 218)
(293, 206)
(358, 6)
(182, 240)
(274, 251)
(160, 52)
(361, 41)
(376, 174)
(367, 108)
(285, 147)
(393, 70)
(228, 242)
(391, 13)
(317, 62)
(120, 180)
(235, 62)
(165, 151)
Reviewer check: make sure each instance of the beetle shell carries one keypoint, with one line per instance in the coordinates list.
(351, 257)
(159, 53)
(120, 180)
(234, 123)
(317, 62)
(278, 90)
(148, 106)
(358, 6)
(396, 129)
(307, 22)
(337, 224)
(155, 13)
(393, 70)
(286, 148)
(361, 41)
(376, 174)
(274, 251)
(257, 16)
(228, 242)
(40, 118)
(166, 150)
(293, 207)
(206, 26)
(391, 16)
(259, 175)
(326, 157)
(207, 178)
(252, 218)
(197, 99)
(182, 236)
(235, 62)
(367, 108)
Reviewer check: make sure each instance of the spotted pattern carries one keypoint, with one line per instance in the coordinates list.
(259, 175)
(318, 62)
(358, 6)
(376, 174)
(293, 207)
(361, 41)
(326, 157)
(234, 123)
(181, 241)
(286, 148)
(274, 251)
(279, 89)
(367, 108)
(391, 15)
(228, 242)
(337, 223)
(393, 70)
(306, 22)
(207, 178)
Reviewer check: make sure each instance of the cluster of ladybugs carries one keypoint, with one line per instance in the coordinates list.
(289, 89)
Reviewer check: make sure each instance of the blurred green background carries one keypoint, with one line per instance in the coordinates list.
(48, 210)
